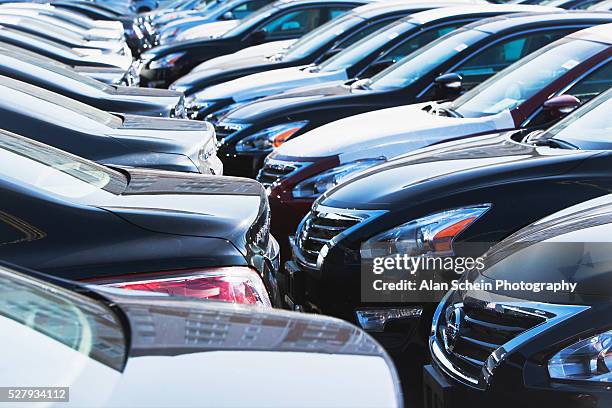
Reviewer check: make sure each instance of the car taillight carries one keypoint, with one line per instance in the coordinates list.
(236, 284)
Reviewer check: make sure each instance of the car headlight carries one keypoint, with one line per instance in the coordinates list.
(586, 360)
(316, 185)
(267, 139)
(167, 61)
(432, 235)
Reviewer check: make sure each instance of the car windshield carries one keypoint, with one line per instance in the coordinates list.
(318, 37)
(52, 170)
(590, 123)
(523, 79)
(251, 21)
(99, 116)
(421, 62)
(367, 46)
(68, 318)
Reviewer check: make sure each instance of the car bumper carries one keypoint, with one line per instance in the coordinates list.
(241, 164)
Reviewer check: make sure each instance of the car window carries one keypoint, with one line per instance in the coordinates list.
(244, 9)
(248, 23)
(592, 84)
(71, 319)
(335, 12)
(294, 23)
(525, 78)
(498, 56)
(46, 168)
(364, 32)
(316, 38)
(367, 46)
(412, 44)
(421, 62)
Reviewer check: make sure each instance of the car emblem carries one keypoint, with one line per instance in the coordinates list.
(453, 324)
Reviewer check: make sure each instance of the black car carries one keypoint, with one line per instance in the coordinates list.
(456, 62)
(176, 233)
(121, 139)
(450, 200)
(104, 347)
(498, 339)
(282, 20)
(56, 77)
(313, 48)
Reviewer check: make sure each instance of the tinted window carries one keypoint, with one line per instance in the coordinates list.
(498, 56)
(247, 8)
(592, 84)
(522, 80)
(326, 33)
(366, 46)
(293, 23)
(251, 21)
(364, 32)
(417, 42)
(419, 63)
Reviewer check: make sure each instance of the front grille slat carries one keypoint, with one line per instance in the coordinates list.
(276, 170)
(318, 229)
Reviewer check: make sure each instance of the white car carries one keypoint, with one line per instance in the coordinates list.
(118, 348)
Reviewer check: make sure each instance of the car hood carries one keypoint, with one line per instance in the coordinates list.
(163, 135)
(188, 204)
(102, 74)
(207, 30)
(148, 95)
(171, 364)
(391, 132)
(97, 57)
(283, 103)
(572, 245)
(435, 172)
(268, 83)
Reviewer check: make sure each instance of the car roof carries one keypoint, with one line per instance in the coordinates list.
(388, 6)
(602, 33)
(429, 16)
(501, 23)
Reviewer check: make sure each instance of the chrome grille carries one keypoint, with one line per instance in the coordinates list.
(276, 170)
(319, 228)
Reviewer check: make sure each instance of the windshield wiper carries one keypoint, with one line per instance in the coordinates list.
(446, 111)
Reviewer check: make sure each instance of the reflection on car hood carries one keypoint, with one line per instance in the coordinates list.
(391, 132)
(284, 101)
(260, 342)
(269, 82)
(153, 92)
(207, 29)
(188, 204)
(433, 173)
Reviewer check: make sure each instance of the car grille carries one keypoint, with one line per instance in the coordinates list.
(318, 229)
(470, 332)
(225, 130)
(276, 170)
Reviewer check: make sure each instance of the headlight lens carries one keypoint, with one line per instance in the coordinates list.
(315, 186)
(586, 360)
(267, 139)
(166, 62)
(432, 235)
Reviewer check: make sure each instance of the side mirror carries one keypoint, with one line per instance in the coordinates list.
(228, 16)
(258, 37)
(561, 105)
(448, 86)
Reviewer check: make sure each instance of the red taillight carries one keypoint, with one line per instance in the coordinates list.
(229, 284)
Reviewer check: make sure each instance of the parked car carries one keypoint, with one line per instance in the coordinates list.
(61, 79)
(602, 6)
(441, 71)
(66, 55)
(514, 346)
(302, 169)
(313, 48)
(217, 11)
(281, 20)
(68, 38)
(200, 236)
(100, 29)
(120, 139)
(390, 201)
(105, 347)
